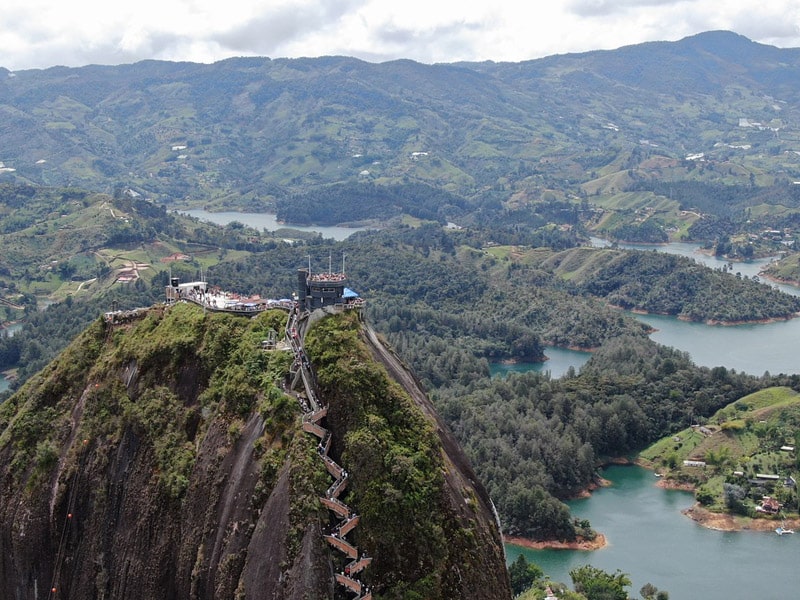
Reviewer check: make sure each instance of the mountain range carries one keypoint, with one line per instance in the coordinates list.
(251, 132)
(164, 451)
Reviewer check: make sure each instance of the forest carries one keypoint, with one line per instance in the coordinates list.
(670, 285)
(448, 307)
(519, 157)
(360, 201)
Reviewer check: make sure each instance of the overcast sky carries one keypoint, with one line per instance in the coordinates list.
(43, 33)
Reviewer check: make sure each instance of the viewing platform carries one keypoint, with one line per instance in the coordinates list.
(325, 289)
(214, 299)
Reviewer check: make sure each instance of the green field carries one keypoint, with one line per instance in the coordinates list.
(739, 445)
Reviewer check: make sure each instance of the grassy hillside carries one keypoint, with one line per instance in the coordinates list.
(60, 242)
(787, 269)
(598, 132)
(754, 436)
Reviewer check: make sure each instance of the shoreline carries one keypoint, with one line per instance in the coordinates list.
(722, 521)
(516, 360)
(711, 322)
(751, 322)
(580, 544)
(727, 522)
(697, 513)
(668, 484)
(774, 279)
(597, 543)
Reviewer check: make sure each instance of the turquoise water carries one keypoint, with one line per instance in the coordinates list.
(754, 349)
(650, 540)
(558, 362)
(10, 331)
(648, 537)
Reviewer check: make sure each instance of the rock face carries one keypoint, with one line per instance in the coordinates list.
(162, 458)
(461, 484)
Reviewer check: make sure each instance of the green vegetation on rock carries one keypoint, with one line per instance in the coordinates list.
(175, 420)
(398, 472)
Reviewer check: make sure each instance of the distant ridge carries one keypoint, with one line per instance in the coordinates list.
(257, 129)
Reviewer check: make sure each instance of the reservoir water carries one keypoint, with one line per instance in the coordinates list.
(267, 221)
(9, 331)
(754, 349)
(648, 537)
(650, 540)
(558, 362)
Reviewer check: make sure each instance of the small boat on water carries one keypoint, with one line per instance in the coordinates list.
(783, 531)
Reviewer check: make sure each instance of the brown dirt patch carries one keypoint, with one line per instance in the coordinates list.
(579, 544)
(727, 522)
(671, 484)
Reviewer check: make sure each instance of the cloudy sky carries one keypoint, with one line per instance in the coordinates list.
(43, 33)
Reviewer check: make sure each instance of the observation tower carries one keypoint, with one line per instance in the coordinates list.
(319, 290)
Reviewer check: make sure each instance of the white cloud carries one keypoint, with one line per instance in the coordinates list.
(586, 8)
(41, 33)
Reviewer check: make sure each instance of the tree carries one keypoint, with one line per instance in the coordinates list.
(597, 584)
(734, 497)
(651, 592)
(648, 591)
(704, 496)
(66, 270)
(523, 574)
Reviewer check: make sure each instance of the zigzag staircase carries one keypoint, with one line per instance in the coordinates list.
(314, 411)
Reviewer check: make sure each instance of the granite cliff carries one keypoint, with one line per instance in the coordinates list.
(161, 455)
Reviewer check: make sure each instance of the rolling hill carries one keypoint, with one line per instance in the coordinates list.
(715, 108)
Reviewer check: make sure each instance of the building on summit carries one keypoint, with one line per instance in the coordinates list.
(319, 290)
